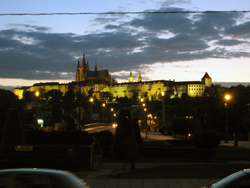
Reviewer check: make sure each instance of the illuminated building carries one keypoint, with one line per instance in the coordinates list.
(152, 89)
(100, 81)
(84, 74)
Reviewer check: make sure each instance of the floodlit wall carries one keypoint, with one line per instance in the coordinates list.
(43, 88)
(195, 90)
(153, 89)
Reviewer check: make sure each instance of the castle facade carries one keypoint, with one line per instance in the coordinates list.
(100, 81)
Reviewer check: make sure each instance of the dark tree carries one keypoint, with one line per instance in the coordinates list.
(71, 124)
(105, 96)
(137, 131)
(13, 133)
(125, 146)
(7, 100)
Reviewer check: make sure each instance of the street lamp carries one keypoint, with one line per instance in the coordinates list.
(91, 100)
(111, 119)
(114, 117)
(163, 108)
(37, 95)
(146, 127)
(227, 97)
(103, 105)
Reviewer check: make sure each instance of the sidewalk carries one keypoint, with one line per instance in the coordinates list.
(100, 179)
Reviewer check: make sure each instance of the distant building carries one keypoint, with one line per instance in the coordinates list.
(84, 74)
(100, 81)
(207, 80)
(152, 89)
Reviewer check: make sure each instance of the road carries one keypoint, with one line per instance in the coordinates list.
(98, 127)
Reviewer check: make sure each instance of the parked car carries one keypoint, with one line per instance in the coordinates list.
(39, 178)
(240, 179)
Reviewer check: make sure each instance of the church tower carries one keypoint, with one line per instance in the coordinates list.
(82, 68)
(207, 80)
(83, 73)
(139, 77)
(78, 72)
(131, 78)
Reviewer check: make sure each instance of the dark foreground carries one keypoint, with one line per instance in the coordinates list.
(226, 161)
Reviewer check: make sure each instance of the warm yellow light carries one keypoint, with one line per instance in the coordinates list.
(114, 114)
(37, 93)
(91, 99)
(112, 109)
(143, 104)
(163, 93)
(227, 97)
(103, 104)
(145, 109)
(142, 100)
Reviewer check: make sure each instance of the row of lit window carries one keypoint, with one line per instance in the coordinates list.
(196, 89)
(195, 85)
(196, 93)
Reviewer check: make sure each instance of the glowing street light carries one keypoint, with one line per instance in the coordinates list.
(103, 105)
(111, 119)
(227, 97)
(91, 100)
(163, 108)
(146, 126)
(37, 95)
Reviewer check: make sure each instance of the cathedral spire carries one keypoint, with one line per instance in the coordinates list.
(139, 77)
(78, 64)
(131, 78)
(83, 60)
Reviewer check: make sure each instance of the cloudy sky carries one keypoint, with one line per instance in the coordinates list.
(163, 39)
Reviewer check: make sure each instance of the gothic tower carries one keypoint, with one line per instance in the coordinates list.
(139, 77)
(84, 74)
(78, 72)
(131, 78)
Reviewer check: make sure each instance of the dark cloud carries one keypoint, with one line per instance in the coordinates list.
(174, 23)
(112, 27)
(31, 27)
(231, 42)
(32, 52)
(239, 31)
(180, 43)
(175, 2)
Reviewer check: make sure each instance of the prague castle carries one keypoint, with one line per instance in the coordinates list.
(101, 81)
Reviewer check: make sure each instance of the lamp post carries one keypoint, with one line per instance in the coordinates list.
(37, 98)
(103, 105)
(227, 97)
(163, 108)
(114, 118)
(146, 127)
(91, 100)
(111, 119)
